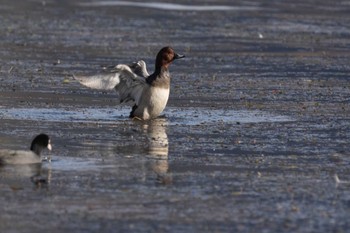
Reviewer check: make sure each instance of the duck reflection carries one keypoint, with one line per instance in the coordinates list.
(18, 177)
(158, 147)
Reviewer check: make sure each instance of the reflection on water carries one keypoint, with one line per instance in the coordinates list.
(171, 6)
(157, 137)
(184, 116)
(158, 147)
(23, 176)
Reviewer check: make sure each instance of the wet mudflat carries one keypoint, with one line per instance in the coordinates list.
(256, 129)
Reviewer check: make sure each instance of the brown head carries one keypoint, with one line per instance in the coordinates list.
(165, 56)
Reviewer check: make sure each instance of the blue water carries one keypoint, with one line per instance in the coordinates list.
(183, 116)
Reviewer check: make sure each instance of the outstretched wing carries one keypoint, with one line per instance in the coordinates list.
(99, 81)
(131, 85)
(139, 68)
(128, 84)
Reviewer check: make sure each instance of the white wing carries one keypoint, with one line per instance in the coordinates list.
(126, 80)
(130, 86)
(100, 81)
(139, 68)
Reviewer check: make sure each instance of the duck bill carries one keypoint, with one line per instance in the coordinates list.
(178, 56)
(49, 147)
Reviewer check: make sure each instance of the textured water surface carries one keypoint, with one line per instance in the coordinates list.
(255, 137)
(183, 116)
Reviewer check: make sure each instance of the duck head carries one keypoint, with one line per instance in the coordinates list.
(39, 143)
(165, 56)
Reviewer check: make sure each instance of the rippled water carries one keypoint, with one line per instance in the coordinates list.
(107, 115)
(256, 129)
(169, 6)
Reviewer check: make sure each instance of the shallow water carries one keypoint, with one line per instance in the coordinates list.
(254, 134)
(183, 116)
(168, 6)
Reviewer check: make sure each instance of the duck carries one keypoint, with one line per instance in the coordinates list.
(149, 93)
(39, 143)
